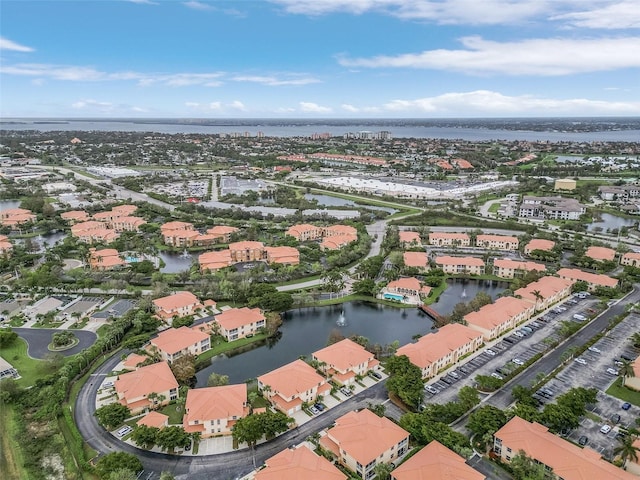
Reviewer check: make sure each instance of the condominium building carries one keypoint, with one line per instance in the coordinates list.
(539, 244)
(179, 304)
(298, 463)
(556, 208)
(460, 265)
(497, 242)
(105, 259)
(496, 318)
(416, 259)
(545, 292)
(174, 343)
(409, 238)
(134, 388)
(214, 411)
(594, 280)
(631, 259)
(344, 361)
(507, 268)
(447, 239)
(600, 254)
(436, 462)
(236, 323)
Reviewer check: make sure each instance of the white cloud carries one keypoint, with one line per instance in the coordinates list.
(92, 104)
(310, 107)
(6, 44)
(238, 105)
(486, 102)
(273, 81)
(539, 57)
(217, 106)
(198, 5)
(144, 2)
(350, 108)
(617, 15)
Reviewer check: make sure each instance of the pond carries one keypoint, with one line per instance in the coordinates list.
(177, 262)
(463, 290)
(609, 222)
(330, 201)
(306, 330)
(9, 204)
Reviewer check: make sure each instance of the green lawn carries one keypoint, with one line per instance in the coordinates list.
(28, 368)
(10, 452)
(494, 207)
(175, 416)
(224, 346)
(617, 390)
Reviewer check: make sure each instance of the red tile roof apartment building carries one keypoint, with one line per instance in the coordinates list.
(593, 279)
(5, 245)
(248, 252)
(184, 234)
(545, 292)
(92, 231)
(180, 304)
(436, 462)
(75, 216)
(631, 259)
(215, 410)
(333, 237)
(600, 254)
(446, 239)
(496, 318)
(416, 259)
(291, 385)
(14, 217)
(105, 259)
(361, 440)
(507, 268)
(460, 265)
(236, 323)
(409, 238)
(133, 388)
(408, 286)
(497, 242)
(174, 343)
(344, 360)
(539, 244)
(435, 351)
(298, 463)
(561, 459)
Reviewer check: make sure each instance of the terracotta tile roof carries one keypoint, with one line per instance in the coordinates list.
(341, 230)
(282, 255)
(215, 260)
(154, 419)
(631, 256)
(496, 238)
(567, 460)
(212, 403)
(174, 340)
(407, 236)
(124, 210)
(152, 378)
(12, 212)
(436, 462)
(343, 355)
(518, 265)
(222, 230)
(299, 463)
(416, 259)
(298, 230)
(291, 379)
(498, 313)
(133, 360)
(86, 226)
(102, 215)
(176, 301)
(448, 236)
(409, 283)
(176, 226)
(237, 317)
(467, 261)
(365, 436)
(434, 346)
(246, 245)
(546, 286)
(600, 253)
(593, 278)
(75, 215)
(336, 242)
(540, 244)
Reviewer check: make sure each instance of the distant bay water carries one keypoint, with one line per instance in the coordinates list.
(545, 130)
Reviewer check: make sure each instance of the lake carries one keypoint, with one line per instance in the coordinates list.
(331, 201)
(177, 262)
(609, 222)
(462, 290)
(9, 204)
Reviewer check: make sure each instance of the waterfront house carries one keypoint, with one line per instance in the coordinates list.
(361, 440)
(134, 388)
(236, 323)
(174, 343)
(179, 304)
(345, 360)
(460, 265)
(507, 268)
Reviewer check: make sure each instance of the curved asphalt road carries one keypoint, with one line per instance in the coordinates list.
(221, 467)
(38, 340)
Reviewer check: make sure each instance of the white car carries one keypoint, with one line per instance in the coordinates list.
(581, 361)
(497, 375)
(605, 429)
(431, 390)
(518, 333)
(518, 362)
(124, 430)
(612, 371)
(488, 351)
(595, 349)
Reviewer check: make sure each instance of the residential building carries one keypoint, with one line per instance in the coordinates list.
(507, 268)
(333, 237)
(174, 343)
(92, 231)
(409, 287)
(436, 462)
(344, 361)
(105, 259)
(361, 440)
(215, 260)
(496, 318)
(560, 458)
(222, 232)
(238, 323)
(631, 259)
(336, 242)
(282, 255)
(409, 238)
(179, 304)
(594, 280)
(75, 216)
(291, 385)
(133, 361)
(134, 388)
(7, 370)
(5, 245)
(460, 265)
(246, 251)
(545, 292)
(556, 208)
(633, 382)
(214, 411)
(154, 419)
(447, 239)
(305, 232)
(565, 184)
(600, 254)
(497, 242)
(15, 217)
(416, 259)
(539, 244)
(126, 224)
(184, 234)
(435, 351)
(298, 463)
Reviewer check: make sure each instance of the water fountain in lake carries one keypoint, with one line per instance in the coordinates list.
(464, 293)
(342, 321)
(185, 254)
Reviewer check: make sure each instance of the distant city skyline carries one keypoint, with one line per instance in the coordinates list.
(319, 58)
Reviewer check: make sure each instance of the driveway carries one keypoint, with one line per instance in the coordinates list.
(38, 340)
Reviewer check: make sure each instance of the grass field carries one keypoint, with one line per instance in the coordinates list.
(10, 454)
(28, 368)
(617, 390)
(494, 207)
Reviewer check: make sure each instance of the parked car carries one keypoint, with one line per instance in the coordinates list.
(488, 351)
(580, 318)
(124, 430)
(319, 406)
(605, 429)
(518, 334)
(612, 371)
(581, 361)
(626, 406)
(454, 374)
(346, 391)
(615, 418)
(497, 375)
(583, 440)
(595, 349)
(518, 362)
(376, 375)
(314, 410)
(431, 389)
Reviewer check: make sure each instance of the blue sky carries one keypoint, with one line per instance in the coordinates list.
(319, 58)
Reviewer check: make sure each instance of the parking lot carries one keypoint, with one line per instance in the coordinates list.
(498, 358)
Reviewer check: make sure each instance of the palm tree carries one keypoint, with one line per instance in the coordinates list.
(635, 338)
(627, 449)
(626, 370)
(538, 296)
